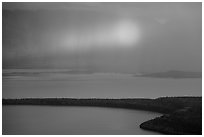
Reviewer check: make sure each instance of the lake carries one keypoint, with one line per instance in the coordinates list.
(73, 120)
(22, 83)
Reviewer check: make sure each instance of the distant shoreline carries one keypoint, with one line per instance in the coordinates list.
(175, 74)
(172, 74)
(178, 111)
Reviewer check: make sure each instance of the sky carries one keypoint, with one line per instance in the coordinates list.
(107, 37)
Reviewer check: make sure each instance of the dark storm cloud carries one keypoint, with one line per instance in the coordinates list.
(120, 37)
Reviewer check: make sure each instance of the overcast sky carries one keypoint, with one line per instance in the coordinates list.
(109, 37)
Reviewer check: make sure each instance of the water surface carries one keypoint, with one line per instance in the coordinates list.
(63, 83)
(65, 120)
(22, 83)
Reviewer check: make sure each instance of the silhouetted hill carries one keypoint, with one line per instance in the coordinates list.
(182, 115)
(174, 74)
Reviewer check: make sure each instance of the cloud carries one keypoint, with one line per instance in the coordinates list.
(161, 20)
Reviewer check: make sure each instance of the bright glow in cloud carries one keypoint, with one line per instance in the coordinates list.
(122, 34)
(127, 33)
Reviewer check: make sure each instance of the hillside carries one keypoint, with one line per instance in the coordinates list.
(182, 115)
(173, 74)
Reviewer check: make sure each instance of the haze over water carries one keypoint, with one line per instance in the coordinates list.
(22, 83)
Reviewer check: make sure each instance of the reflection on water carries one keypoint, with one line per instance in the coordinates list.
(83, 84)
(73, 120)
